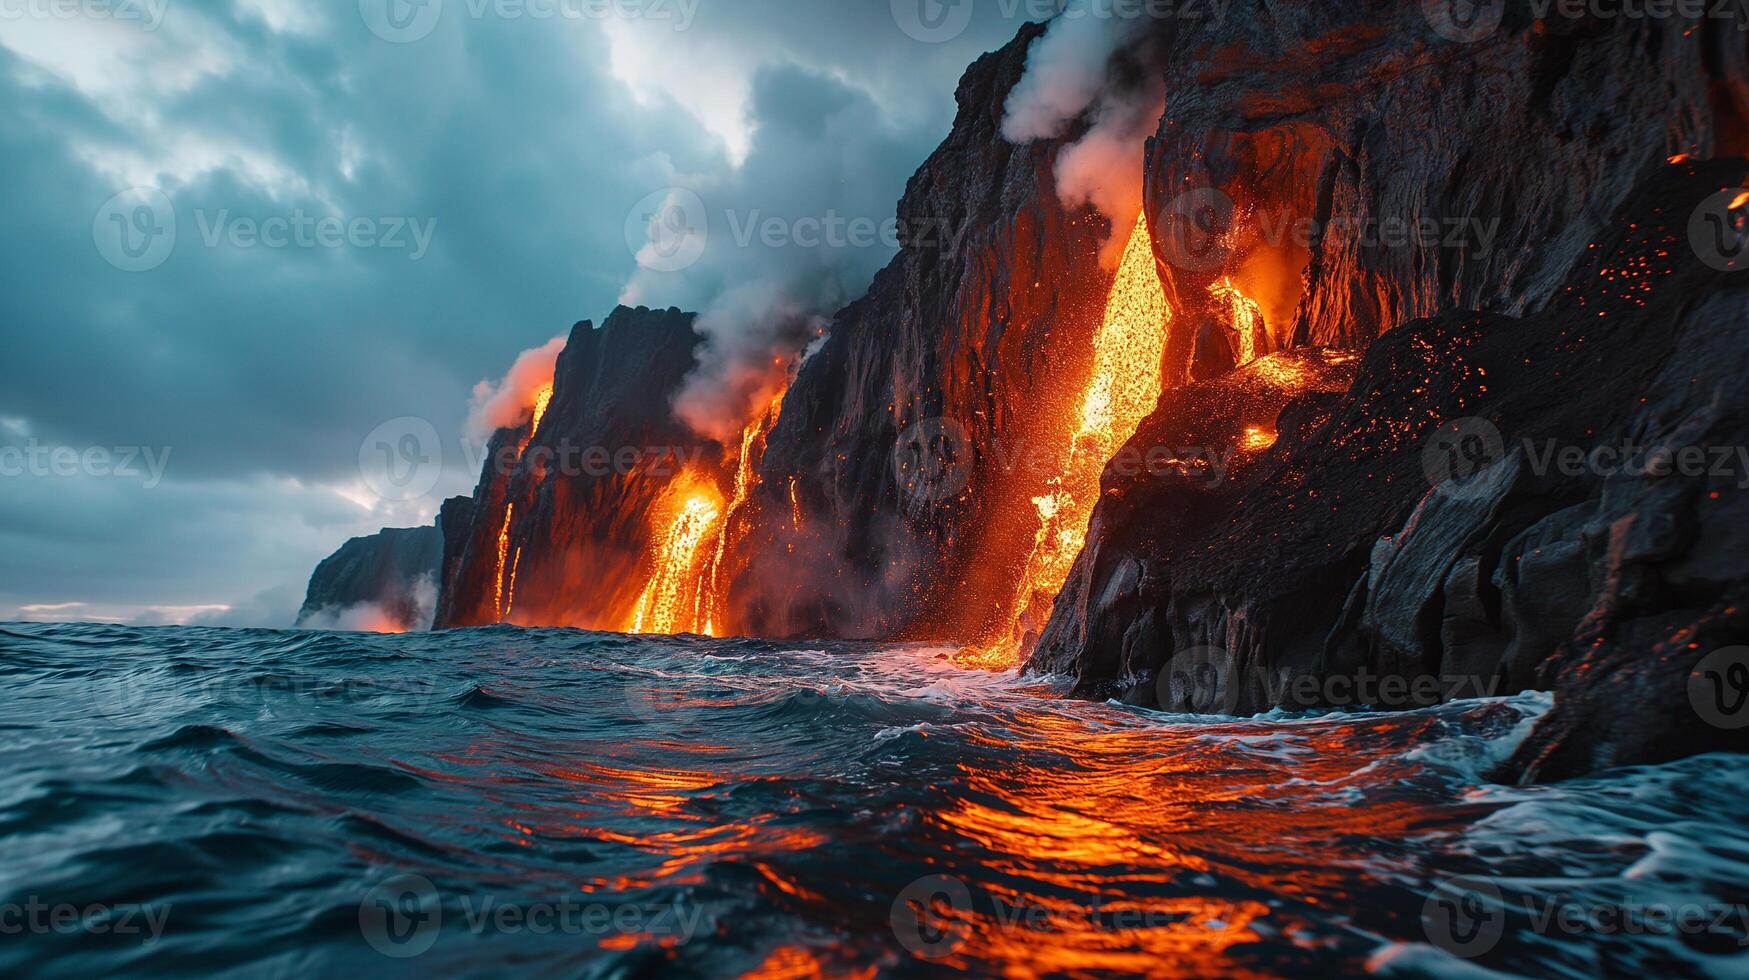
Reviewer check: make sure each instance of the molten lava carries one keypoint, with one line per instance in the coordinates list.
(1246, 319)
(715, 597)
(1124, 387)
(542, 399)
(689, 562)
(503, 549)
(671, 599)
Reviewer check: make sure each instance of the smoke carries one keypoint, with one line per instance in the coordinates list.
(753, 331)
(505, 403)
(1084, 69)
(411, 613)
(789, 238)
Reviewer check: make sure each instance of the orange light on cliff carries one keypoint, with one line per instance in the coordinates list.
(671, 599)
(1125, 385)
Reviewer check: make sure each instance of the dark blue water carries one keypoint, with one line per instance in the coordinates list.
(505, 801)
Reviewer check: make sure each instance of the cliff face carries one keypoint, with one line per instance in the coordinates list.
(387, 580)
(557, 529)
(1353, 547)
(899, 438)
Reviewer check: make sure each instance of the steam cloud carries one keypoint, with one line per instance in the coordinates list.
(502, 404)
(1069, 76)
(792, 236)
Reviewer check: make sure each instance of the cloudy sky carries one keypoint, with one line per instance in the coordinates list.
(242, 235)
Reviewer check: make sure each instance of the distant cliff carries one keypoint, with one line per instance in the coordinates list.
(385, 581)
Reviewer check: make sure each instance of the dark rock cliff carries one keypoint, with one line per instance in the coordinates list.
(900, 434)
(1354, 549)
(570, 503)
(394, 572)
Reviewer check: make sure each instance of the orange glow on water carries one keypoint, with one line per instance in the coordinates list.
(1124, 387)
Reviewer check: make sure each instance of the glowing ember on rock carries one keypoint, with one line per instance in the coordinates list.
(1257, 438)
(670, 600)
(1124, 388)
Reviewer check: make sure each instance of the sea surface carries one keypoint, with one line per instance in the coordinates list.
(500, 801)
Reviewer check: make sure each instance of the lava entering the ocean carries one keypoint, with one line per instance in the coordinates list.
(1127, 379)
(671, 599)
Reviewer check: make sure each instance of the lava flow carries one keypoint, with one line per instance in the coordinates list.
(1126, 384)
(689, 577)
(672, 596)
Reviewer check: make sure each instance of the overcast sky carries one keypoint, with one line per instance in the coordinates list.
(193, 358)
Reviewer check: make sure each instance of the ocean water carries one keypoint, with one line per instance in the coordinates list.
(499, 801)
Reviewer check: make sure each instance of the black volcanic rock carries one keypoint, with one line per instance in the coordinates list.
(581, 487)
(1346, 552)
(394, 571)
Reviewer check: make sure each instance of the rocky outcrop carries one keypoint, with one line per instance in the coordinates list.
(900, 439)
(557, 528)
(1450, 522)
(387, 580)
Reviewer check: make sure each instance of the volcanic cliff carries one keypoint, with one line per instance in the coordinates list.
(1405, 272)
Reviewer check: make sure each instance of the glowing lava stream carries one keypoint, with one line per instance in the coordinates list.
(687, 588)
(1126, 382)
(670, 598)
(503, 549)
